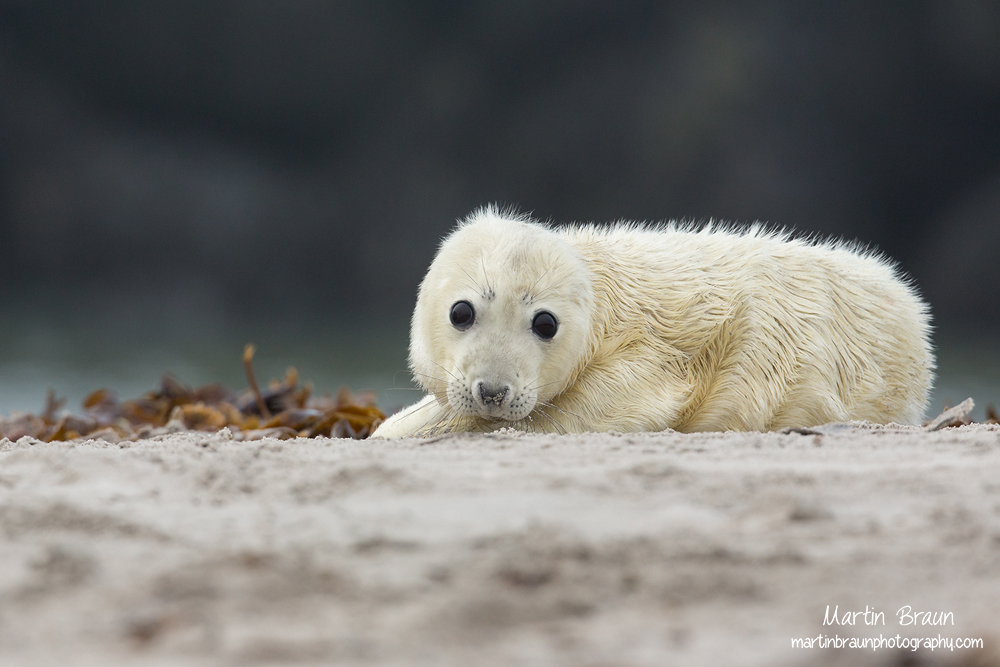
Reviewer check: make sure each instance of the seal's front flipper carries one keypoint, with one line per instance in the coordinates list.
(409, 422)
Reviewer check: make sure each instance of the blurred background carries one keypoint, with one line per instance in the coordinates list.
(179, 178)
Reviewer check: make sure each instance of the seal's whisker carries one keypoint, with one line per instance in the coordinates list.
(453, 376)
(537, 428)
(549, 288)
(565, 412)
(430, 377)
(475, 284)
(540, 386)
(538, 280)
(486, 275)
(530, 423)
(433, 424)
(559, 427)
(396, 375)
(423, 407)
(417, 407)
(438, 426)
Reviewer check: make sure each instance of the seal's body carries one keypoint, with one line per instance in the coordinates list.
(627, 328)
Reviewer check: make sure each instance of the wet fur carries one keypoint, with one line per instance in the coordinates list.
(664, 327)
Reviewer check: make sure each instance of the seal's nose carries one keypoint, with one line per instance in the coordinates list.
(492, 394)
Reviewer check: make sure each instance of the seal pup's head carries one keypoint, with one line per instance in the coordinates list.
(502, 318)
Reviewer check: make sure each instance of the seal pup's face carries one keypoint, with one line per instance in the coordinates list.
(502, 319)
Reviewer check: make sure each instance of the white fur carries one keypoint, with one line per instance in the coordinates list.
(661, 328)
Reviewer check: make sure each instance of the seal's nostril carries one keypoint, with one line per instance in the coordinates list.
(492, 393)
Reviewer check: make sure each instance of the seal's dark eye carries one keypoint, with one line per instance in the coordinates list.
(544, 325)
(462, 315)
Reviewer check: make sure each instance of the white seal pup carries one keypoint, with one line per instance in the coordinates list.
(632, 328)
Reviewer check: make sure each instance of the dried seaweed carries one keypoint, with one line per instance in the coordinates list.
(285, 409)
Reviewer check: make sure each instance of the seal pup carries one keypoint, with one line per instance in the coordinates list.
(633, 328)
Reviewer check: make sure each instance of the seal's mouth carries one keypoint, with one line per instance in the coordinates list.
(490, 398)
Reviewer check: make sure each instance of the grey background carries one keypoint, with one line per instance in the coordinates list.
(179, 177)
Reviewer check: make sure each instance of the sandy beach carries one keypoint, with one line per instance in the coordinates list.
(502, 549)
